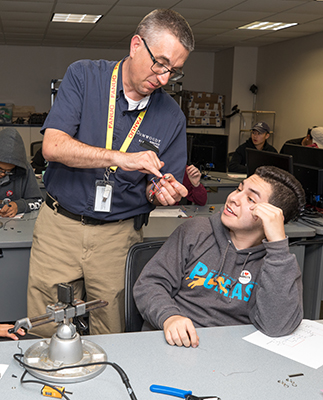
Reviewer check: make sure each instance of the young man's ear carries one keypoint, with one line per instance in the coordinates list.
(267, 135)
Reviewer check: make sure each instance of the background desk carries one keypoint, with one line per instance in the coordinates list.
(15, 243)
(219, 185)
(223, 365)
(164, 226)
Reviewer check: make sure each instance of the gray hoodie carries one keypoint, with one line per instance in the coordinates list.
(199, 274)
(21, 187)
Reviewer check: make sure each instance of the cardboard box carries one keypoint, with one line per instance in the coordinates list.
(204, 97)
(202, 108)
(195, 112)
(217, 122)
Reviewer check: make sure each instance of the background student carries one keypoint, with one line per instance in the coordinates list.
(260, 132)
(19, 191)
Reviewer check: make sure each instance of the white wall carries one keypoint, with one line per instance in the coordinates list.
(244, 75)
(290, 81)
(26, 72)
(223, 73)
(235, 71)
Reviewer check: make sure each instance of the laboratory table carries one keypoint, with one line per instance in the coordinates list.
(15, 243)
(223, 364)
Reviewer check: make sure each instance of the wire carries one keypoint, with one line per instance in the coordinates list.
(117, 367)
(42, 383)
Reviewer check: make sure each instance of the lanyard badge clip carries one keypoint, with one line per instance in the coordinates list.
(103, 193)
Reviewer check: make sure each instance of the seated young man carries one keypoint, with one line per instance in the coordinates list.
(231, 268)
(19, 191)
(260, 132)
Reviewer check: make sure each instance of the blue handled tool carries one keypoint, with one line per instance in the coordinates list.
(183, 394)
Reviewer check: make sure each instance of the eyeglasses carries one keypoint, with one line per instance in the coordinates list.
(4, 172)
(160, 69)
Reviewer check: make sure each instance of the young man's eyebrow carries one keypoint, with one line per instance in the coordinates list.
(252, 190)
(255, 192)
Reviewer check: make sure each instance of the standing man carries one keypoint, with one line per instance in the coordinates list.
(260, 132)
(111, 129)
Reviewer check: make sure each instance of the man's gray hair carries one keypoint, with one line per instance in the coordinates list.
(158, 21)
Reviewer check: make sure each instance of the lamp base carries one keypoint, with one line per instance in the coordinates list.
(37, 355)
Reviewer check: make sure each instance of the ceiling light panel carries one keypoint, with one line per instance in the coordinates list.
(76, 18)
(268, 26)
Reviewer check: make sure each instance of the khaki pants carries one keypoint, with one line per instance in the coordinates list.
(91, 257)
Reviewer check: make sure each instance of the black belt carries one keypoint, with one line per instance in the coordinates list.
(82, 218)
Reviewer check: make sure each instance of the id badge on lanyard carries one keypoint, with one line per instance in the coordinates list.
(104, 188)
(103, 193)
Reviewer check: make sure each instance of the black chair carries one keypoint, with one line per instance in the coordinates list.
(229, 157)
(138, 256)
(35, 146)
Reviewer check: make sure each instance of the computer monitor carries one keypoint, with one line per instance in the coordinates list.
(257, 158)
(208, 151)
(308, 169)
(311, 156)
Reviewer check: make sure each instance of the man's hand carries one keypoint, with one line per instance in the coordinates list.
(170, 191)
(180, 331)
(146, 162)
(9, 210)
(194, 175)
(4, 331)
(272, 220)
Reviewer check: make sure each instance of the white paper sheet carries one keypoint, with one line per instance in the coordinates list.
(17, 216)
(304, 345)
(3, 368)
(167, 212)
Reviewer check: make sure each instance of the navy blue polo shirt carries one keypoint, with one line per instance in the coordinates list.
(81, 110)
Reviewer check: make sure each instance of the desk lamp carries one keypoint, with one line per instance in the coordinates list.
(65, 348)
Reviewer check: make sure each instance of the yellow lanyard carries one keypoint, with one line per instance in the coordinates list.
(111, 117)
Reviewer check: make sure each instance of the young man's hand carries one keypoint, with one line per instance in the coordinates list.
(180, 331)
(4, 331)
(194, 175)
(9, 210)
(272, 220)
